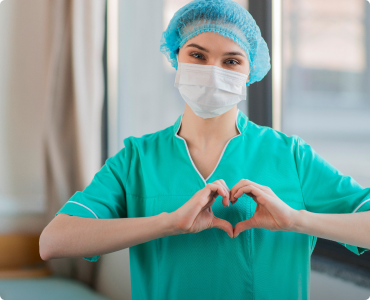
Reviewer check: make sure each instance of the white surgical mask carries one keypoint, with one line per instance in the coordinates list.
(210, 91)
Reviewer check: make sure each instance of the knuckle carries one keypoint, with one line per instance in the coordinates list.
(265, 188)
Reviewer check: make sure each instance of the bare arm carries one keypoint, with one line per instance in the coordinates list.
(72, 236)
(351, 228)
(274, 214)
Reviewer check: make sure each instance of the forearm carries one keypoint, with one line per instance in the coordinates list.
(85, 237)
(351, 228)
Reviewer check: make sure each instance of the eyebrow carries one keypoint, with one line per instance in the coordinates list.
(205, 50)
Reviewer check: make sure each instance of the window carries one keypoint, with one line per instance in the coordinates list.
(326, 88)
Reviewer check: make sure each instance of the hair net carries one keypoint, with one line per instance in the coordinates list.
(225, 17)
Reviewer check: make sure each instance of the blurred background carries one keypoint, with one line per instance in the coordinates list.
(79, 76)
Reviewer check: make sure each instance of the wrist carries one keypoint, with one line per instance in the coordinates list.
(300, 221)
(170, 224)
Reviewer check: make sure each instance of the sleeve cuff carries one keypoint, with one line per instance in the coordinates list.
(77, 209)
(363, 206)
(92, 258)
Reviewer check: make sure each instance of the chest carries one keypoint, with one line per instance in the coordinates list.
(205, 161)
(164, 180)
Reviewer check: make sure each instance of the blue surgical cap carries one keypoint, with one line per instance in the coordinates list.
(225, 17)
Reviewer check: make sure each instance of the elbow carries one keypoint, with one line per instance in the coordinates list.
(44, 254)
(44, 246)
(50, 241)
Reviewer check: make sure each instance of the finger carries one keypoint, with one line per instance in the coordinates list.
(212, 190)
(242, 226)
(224, 184)
(227, 191)
(245, 182)
(262, 187)
(201, 201)
(236, 187)
(223, 225)
(252, 191)
(225, 199)
(203, 197)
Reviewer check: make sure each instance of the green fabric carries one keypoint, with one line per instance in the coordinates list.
(154, 173)
(54, 287)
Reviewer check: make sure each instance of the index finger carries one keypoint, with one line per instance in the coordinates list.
(240, 184)
(212, 190)
(225, 199)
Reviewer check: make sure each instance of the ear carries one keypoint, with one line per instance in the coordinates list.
(249, 78)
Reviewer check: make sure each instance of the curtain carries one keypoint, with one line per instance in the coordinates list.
(73, 120)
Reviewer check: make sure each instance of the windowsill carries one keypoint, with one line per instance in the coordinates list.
(345, 271)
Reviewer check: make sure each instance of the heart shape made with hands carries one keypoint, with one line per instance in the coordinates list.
(271, 212)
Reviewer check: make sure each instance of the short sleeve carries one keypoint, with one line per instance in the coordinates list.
(325, 189)
(105, 196)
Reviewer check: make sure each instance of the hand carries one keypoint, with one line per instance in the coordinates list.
(271, 213)
(197, 215)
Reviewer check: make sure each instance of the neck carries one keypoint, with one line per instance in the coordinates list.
(204, 133)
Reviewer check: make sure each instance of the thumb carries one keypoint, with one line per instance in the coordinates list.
(242, 226)
(223, 225)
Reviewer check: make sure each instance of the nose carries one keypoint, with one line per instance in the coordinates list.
(215, 63)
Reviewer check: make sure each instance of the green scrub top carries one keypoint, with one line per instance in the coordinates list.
(155, 173)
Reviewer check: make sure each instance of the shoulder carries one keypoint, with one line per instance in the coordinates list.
(269, 135)
(138, 148)
(150, 141)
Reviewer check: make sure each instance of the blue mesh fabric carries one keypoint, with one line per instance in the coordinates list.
(226, 17)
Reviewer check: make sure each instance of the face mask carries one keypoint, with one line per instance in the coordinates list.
(210, 91)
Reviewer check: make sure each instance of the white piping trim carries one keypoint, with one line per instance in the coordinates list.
(187, 149)
(236, 122)
(362, 203)
(191, 158)
(84, 206)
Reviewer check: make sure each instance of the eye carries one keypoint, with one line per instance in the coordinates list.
(234, 62)
(197, 55)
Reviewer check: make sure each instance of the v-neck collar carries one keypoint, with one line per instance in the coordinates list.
(241, 124)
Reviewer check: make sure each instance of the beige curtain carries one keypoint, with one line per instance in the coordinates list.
(75, 93)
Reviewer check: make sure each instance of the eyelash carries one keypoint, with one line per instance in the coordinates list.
(195, 53)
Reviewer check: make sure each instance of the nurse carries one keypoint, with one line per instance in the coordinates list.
(167, 195)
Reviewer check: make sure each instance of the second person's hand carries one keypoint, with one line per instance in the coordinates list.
(197, 215)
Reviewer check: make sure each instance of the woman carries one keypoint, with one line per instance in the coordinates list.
(166, 195)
